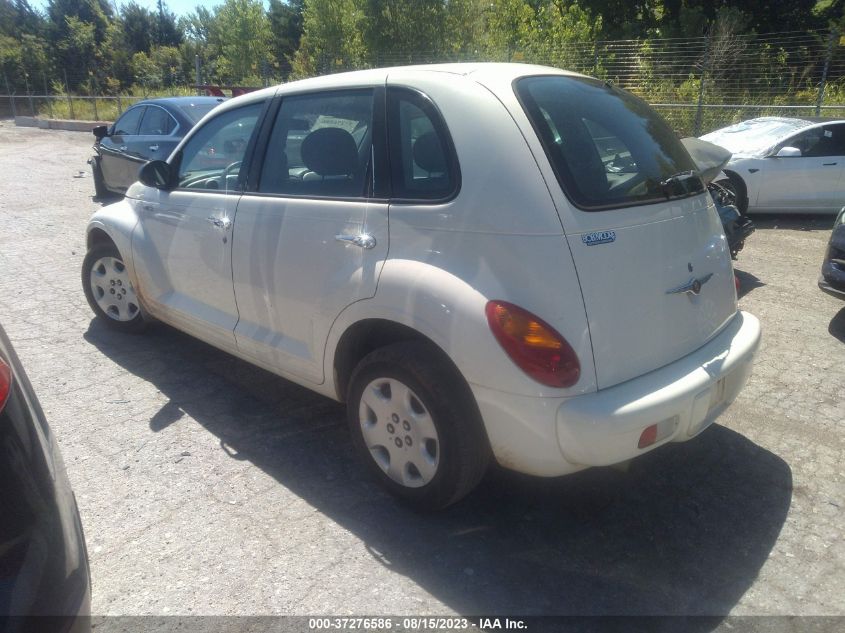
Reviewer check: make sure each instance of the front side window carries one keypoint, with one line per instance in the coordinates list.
(211, 160)
(422, 165)
(321, 146)
(156, 122)
(820, 141)
(608, 148)
(128, 123)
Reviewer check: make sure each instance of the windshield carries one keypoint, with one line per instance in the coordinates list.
(755, 136)
(608, 148)
(196, 111)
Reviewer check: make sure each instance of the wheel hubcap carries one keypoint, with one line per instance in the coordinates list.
(112, 289)
(399, 432)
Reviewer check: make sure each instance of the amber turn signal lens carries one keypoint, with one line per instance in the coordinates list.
(533, 345)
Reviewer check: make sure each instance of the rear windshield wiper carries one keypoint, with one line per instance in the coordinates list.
(683, 183)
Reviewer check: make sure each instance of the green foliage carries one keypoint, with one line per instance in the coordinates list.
(241, 34)
(332, 37)
(109, 48)
(286, 30)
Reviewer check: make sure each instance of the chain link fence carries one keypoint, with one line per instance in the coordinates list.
(698, 84)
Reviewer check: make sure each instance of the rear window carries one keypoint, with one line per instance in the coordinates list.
(608, 148)
(196, 111)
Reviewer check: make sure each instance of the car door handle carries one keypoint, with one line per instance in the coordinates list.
(827, 164)
(220, 223)
(363, 240)
(153, 148)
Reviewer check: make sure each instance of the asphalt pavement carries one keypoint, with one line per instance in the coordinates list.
(208, 486)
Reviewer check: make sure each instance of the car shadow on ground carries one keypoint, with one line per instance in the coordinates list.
(685, 531)
(747, 282)
(793, 221)
(837, 325)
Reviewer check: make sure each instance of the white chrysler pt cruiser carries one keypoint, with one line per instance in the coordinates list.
(484, 261)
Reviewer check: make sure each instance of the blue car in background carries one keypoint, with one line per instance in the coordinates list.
(149, 130)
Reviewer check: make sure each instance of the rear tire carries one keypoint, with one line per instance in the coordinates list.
(109, 291)
(415, 424)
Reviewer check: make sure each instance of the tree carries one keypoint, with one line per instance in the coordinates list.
(166, 30)
(77, 30)
(241, 32)
(139, 25)
(403, 31)
(24, 57)
(331, 37)
(509, 27)
(285, 30)
(197, 31)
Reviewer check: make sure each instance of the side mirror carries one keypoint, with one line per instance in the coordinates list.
(156, 173)
(100, 132)
(788, 152)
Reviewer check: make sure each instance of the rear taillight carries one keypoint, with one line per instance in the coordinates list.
(5, 383)
(534, 345)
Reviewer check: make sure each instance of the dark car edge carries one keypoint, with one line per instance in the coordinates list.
(44, 575)
(832, 278)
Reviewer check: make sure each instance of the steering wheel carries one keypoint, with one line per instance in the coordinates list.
(230, 168)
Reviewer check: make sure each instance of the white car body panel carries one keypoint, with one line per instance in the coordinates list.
(292, 277)
(187, 276)
(797, 184)
(510, 233)
(657, 247)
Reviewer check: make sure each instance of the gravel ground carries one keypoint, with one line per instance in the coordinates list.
(207, 486)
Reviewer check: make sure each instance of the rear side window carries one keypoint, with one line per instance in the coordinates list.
(608, 148)
(128, 123)
(422, 159)
(321, 146)
(156, 122)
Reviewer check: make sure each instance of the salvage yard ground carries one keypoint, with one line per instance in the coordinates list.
(207, 486)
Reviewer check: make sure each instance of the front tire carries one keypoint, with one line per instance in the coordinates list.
(415, 424)
(100, 190)
(736, 186)
(109, 291)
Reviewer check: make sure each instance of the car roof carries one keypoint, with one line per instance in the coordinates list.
(478, 71)
(182, 101)
(797, 122)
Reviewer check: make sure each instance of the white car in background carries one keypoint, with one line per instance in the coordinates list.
(484, 261)
(784, 164)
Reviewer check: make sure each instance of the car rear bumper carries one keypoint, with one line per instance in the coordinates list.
(833, 291)
(550, 437)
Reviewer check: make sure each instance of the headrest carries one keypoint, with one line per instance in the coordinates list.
(428, 153)
(330, 151)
